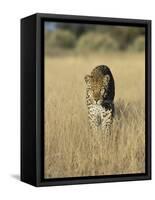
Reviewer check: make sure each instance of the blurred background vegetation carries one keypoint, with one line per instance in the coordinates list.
(69, 38)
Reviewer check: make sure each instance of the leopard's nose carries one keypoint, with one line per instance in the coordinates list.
(97, 102)
(96, 99)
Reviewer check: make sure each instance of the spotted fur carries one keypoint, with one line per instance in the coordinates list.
(100, 94)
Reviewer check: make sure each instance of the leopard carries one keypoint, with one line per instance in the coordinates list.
(100, 93)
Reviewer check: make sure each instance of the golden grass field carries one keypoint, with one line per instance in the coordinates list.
(70, 149)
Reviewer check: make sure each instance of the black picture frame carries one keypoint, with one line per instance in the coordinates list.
(32, 99)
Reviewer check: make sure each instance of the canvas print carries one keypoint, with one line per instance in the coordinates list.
(94, 99)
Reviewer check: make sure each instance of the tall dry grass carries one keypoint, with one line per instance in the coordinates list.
(70, 149)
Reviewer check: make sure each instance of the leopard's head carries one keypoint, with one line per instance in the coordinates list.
(96, 84)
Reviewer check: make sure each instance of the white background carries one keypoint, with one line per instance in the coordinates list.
(10, 14)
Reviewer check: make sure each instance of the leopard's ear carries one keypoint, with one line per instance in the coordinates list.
(87, 78)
